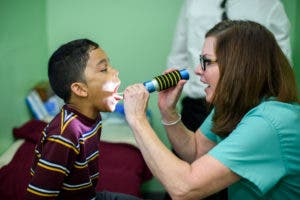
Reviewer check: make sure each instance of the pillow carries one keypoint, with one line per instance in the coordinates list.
(122, 168)
(30, 131)
(15, 176)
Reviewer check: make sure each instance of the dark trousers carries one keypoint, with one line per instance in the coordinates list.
(106, 195)
(194, 112)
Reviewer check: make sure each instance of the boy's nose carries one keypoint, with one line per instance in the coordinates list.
(116, 72)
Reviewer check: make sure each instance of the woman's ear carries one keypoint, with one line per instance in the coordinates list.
(79, 89)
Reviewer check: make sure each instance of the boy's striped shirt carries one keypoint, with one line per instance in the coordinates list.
(66, 159)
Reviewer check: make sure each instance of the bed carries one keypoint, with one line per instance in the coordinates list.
(122, 167)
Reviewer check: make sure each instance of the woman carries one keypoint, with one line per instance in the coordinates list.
(249, 142)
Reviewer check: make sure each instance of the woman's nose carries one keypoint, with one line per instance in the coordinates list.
(198, 70)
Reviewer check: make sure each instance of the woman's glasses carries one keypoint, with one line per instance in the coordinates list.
(205, 61)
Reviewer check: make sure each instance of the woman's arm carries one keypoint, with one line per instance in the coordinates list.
(182, 180)
(188, 145)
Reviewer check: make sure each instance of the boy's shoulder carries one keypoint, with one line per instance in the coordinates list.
(71, 125)
(65, 125)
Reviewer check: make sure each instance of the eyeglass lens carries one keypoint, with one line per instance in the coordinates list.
(202, 62)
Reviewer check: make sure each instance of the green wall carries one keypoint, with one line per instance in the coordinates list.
(291, 7)
(297, 45)
(23, 56)
(136, 34)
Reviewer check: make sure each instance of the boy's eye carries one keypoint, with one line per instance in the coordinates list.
(103, 70)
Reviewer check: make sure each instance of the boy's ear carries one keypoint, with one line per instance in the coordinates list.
(79, 89)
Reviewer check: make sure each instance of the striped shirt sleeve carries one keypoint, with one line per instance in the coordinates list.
(52, 167)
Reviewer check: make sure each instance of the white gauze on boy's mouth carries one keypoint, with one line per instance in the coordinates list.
(113, 87)
(110, 87)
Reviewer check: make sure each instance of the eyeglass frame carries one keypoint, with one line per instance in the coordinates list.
(204, 61)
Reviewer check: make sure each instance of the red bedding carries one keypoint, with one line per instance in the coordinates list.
(122, 167)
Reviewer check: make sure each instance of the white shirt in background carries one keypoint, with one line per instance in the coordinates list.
(198, 16)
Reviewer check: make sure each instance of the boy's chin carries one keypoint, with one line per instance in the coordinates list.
(112, 107)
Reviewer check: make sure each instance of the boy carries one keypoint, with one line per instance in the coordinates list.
(66, 159)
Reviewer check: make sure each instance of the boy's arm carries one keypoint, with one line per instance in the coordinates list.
(52, 168)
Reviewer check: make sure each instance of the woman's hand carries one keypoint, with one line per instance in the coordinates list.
(167, 99)
(135, 102)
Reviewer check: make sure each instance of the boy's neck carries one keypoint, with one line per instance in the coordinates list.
(84, 110)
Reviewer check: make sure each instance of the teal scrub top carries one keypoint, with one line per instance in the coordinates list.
(264, 149)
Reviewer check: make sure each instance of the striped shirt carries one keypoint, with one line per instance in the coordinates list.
(65, 165)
